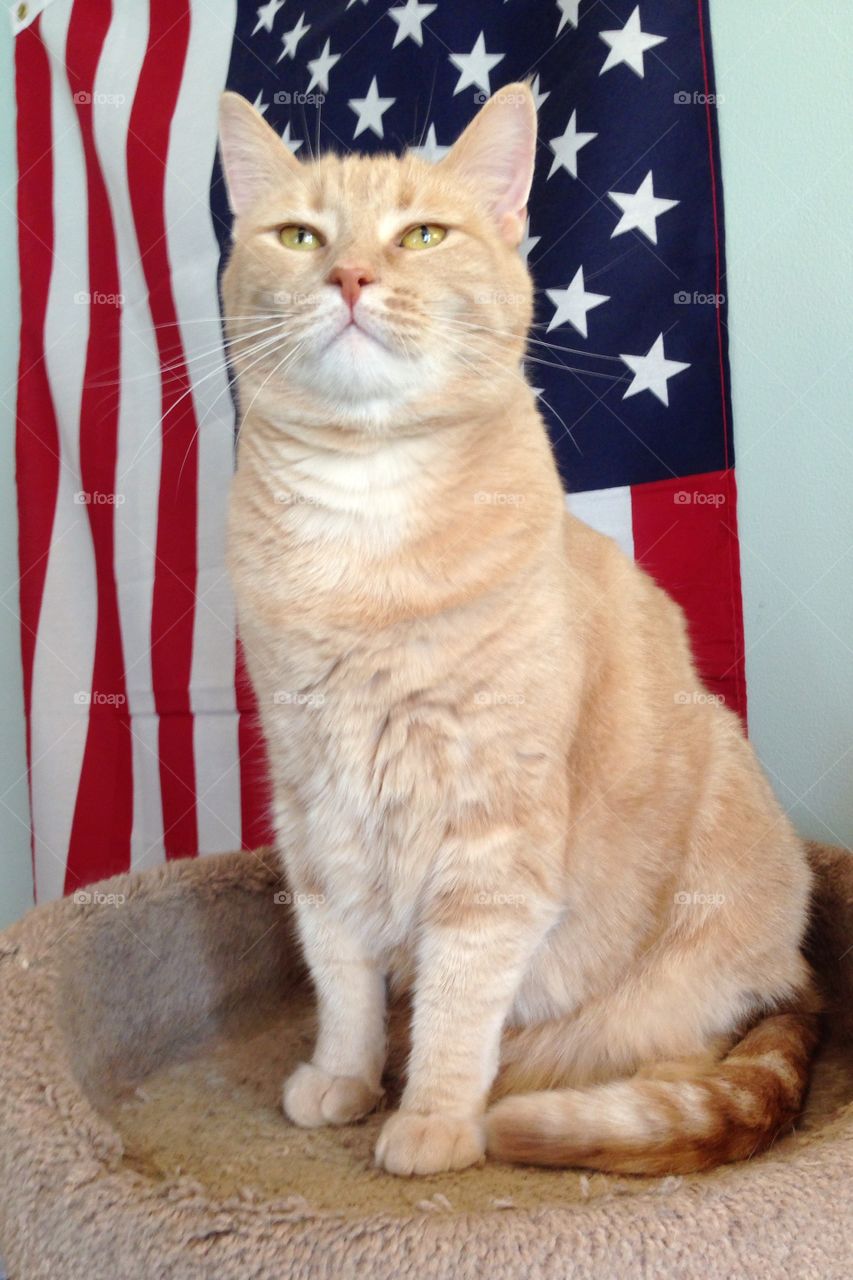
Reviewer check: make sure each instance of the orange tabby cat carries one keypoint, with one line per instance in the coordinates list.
(497, 780)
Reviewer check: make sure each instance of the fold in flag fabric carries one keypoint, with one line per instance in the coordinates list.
(142, 736)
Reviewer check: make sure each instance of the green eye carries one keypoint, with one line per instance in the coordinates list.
(423, 237)
(294, 237)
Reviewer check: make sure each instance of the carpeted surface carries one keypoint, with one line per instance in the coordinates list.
(145, 1042)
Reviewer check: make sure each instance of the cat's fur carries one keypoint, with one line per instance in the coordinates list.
(497, 777)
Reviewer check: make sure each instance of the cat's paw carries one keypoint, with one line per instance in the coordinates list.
(411, 1143)
(312, 1097)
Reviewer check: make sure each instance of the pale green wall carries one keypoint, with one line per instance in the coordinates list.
(783, 73)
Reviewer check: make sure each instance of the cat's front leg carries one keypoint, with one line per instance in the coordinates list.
(342, 1082)
(475, 946)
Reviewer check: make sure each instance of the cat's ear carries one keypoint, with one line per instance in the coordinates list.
(254, 158)
(495, 155)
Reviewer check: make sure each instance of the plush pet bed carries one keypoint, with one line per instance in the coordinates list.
(145, 1034)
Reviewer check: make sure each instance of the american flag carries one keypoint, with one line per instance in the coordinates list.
(142, 736)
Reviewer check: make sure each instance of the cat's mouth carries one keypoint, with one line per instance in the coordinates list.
(355, 331)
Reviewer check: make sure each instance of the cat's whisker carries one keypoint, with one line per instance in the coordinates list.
(547, 403)
(185, 361)
(229, 383)
(288, 358)
(150, 435)
(553, 346)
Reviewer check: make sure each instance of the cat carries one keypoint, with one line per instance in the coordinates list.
(498, 783)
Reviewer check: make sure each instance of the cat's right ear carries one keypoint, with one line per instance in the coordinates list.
(495, 156)
(254, 158)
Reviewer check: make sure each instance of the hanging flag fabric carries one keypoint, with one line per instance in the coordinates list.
(142, 736)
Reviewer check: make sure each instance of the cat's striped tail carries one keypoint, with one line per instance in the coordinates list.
(660, 1126)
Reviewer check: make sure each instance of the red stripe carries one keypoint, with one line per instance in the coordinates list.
(100, 836)
(734, 549)
(685, 535)
(173, 605)
(36, 432)
(255, 789)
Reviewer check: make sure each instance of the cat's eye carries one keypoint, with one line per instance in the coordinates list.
(424, 237)
(294, 237)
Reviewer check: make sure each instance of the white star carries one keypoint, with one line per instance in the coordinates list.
(475, 66)
(431, 149)
(529, 242)
(410, 20)
(267, 14)
(568, 13)
(320, 68)
(652, 372)
(640, 210)
(291, 38)
(572, 304)
(370, 110)
(629, 45)
(538, 97)
(566, 148)
(260, 105)
(293, 143)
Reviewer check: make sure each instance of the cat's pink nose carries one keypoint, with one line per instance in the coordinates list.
(351, 280)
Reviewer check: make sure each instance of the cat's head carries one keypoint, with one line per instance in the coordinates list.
(378, 281)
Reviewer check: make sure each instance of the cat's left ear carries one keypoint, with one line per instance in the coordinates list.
(495, 156)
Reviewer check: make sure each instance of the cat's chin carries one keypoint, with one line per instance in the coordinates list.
(357, 370)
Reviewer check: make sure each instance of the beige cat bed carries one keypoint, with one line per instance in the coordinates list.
(145, 1035)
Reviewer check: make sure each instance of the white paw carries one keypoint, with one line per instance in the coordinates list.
(413, 1143)
(312, 1097)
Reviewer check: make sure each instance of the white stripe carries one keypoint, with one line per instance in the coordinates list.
(194, 254)
(64, 651)
(607, 510)
(139, 438)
